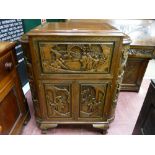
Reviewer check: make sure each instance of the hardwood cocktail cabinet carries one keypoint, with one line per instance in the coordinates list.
(75, 71)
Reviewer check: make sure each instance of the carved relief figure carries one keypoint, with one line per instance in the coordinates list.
(92, 100)
(58, 105)
(84, 61)
(58, 101)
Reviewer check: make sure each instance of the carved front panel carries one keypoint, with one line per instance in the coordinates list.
(146, 53)
(92, 100)
(75, 58)
(58, 99)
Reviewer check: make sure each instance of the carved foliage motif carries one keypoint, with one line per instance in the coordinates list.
(141, 52)
(76, 57)
(123, 61)
(92, 100)
(58, 100)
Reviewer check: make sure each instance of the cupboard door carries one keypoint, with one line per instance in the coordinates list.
(92, 100)
(9, 110)
(58, 98)
(76, 100)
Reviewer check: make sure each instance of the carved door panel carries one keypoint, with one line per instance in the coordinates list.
(92, 100)
(76, 100)
(75, 57)
(58, 98)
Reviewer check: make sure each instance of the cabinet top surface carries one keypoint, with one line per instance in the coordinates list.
(76, 29)
(5, 46)
(141, 32)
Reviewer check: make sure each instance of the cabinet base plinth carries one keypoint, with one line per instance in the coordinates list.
(44, 126)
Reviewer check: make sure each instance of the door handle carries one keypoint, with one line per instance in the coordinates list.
(8, 66)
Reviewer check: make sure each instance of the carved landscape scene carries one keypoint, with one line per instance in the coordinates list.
(73, 58)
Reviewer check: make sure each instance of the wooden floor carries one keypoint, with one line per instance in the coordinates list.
(128, 108)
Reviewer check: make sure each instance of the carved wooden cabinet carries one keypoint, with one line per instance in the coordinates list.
(14, 110)
(75, 71)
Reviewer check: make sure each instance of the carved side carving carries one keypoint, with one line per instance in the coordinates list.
(58, 100)
(34, 97)
(76, 57)
(141, 52)
(124, 57)
(92, 100)
(30, 71)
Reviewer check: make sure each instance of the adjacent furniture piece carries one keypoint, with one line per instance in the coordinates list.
(142, 49)
(146, 120)
(138, 59)
(14, 111)
(75, 71)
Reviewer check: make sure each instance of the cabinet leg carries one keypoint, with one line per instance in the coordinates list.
(45, 127)
(103, 127)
